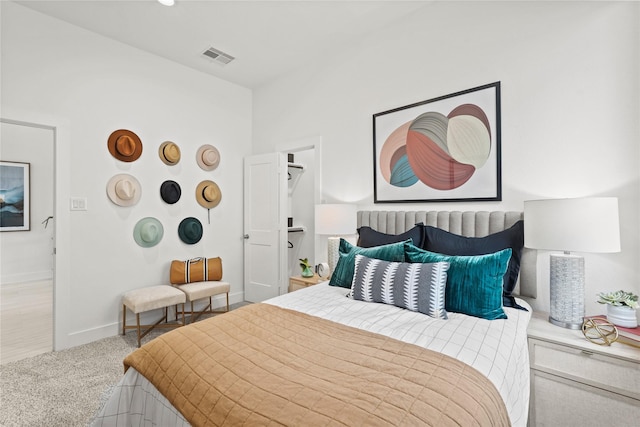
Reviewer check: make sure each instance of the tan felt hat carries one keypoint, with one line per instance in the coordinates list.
(124, 145)
(169, 153)
(208, 194)
(208, 157)
(124, 190)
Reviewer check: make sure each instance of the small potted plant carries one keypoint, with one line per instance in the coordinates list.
(621, 308)
(306, 268)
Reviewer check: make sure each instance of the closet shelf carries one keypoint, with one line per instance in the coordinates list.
(294, 171)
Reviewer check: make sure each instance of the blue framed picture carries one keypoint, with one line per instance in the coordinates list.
(15, 207)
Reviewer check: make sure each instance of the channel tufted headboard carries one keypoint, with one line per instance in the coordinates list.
(469, 224)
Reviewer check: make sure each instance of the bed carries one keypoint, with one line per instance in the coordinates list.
(321, 356)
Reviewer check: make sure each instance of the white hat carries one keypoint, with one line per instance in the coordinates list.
(124, 190)
(208, 157)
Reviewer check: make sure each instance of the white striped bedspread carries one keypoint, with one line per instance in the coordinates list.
(496, 348)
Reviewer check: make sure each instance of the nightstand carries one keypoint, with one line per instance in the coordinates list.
(299, 282)
(578, 383)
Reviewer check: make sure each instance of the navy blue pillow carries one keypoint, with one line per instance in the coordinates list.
(440, 241)
(368, 237)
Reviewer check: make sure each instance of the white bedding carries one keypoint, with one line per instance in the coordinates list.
(496, 348)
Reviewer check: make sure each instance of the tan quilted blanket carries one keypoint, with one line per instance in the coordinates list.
(265, 365)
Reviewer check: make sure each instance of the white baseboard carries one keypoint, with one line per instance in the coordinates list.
(111, 329)
(32, 276)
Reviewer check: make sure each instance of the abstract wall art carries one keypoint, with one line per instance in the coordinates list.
(444, 149)
(14, 196)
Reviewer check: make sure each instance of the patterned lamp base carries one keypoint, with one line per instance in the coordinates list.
(333, 247)
(567, 290)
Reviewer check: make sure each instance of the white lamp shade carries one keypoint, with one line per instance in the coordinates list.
(573, 225)
(335, 219)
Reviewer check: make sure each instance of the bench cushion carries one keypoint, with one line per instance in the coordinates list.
(197, 290)
(152, 297)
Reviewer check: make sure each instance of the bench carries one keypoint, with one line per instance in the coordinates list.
(151, 298)
(199, 290)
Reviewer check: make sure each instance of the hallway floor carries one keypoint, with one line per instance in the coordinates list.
(26, 320)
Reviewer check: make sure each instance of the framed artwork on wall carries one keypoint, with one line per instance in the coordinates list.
(15, 207)
(445, 149)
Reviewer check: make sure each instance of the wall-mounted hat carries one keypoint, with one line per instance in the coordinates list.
(190, 230)
(148, 232)
(169, 153)
(208, 157)
(170, 191)
(124, 145)
(124, 190)
(208, 194)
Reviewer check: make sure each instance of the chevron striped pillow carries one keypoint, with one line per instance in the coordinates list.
(414, 286)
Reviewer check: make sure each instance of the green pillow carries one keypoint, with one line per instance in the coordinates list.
(343, 274)
(474, 283)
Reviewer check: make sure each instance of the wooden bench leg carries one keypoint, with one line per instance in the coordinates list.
(220, 311)
(208, 309)
(140, 333)
(138, 325)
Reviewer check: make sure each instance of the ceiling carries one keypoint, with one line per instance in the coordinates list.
(268, 38)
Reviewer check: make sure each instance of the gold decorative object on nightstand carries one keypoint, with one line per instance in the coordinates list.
(299, 282)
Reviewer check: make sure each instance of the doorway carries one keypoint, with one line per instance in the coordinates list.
(304, 193)
(26, 256)
(300, 209)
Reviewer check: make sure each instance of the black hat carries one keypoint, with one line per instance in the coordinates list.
(170, 191)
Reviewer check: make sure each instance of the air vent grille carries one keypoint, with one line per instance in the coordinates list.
(218, 56)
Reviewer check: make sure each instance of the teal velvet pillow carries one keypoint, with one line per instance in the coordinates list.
(343, 274)
(474, 283)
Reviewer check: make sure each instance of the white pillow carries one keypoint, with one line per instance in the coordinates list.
(414, 286)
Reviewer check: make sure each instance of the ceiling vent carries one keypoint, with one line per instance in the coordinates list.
(218, 56)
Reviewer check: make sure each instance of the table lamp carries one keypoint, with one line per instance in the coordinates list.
(335, 220)
(581, 225)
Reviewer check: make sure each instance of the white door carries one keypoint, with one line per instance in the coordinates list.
(265, 226)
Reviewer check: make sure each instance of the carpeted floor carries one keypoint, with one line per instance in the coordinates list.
(64, 388)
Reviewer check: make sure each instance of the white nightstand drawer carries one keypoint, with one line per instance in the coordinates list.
(562, 402)
(592, 368)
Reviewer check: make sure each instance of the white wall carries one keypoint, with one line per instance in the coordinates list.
(570, 106)
(90, 86)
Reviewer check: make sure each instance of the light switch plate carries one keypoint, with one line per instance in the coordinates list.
(78, 204)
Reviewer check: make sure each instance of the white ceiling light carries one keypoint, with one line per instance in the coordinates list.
(167, 2)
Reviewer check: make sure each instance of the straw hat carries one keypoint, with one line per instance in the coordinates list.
(124, 190)
(170, 192)
(208, 157)
(148, 232)
(190, 230)
(208, 194)
(124, 145)
(169, 153)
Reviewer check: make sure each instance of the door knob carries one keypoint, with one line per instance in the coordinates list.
(246, 236)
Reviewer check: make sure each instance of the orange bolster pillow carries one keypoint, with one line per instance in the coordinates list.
(195, 270)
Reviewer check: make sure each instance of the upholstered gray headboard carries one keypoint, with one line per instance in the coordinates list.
(469, 224)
